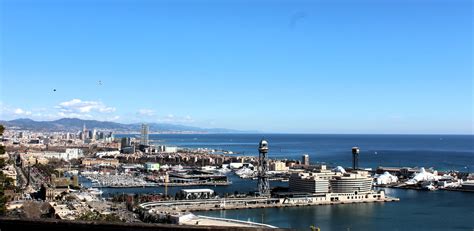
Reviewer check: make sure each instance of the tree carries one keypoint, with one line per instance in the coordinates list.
(4, 181)
(95, 216)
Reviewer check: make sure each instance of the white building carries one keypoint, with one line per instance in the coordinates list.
(71, 153)
(169, 149)
(386, 178)
(193, 194)
(334, 182)
(108, 153)
(423, 175)
(308, 182)
(149, 166)
(351, 183)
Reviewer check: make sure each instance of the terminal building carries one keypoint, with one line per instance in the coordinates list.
(149, 166)
(194, 194)
(309, 183)
(328, 186)
(351, 183)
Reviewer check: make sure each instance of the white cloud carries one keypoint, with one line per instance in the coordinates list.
(170, 118)
(20, 111)
(114, 118)
(146, 112)
(74, 115)
(81, 107)
(74, 108)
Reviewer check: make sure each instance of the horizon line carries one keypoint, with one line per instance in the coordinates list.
(245, 131)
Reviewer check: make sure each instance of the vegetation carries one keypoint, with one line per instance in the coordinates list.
(5, 183)
(47, 169)
(95, 216)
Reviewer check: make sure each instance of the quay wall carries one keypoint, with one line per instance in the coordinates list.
(13, 224)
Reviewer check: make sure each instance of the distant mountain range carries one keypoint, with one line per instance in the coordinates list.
(73, 124)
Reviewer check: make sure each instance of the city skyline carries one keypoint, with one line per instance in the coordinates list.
(402, 67)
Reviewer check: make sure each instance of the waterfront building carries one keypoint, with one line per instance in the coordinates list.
(308, 182)
(278, 166)
(193, 194)
(170, 149)
(305, 159)
(351, 183)
(326, 181)
(468, 185)
(149, 166)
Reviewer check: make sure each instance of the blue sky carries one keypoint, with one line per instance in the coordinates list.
(275, 66)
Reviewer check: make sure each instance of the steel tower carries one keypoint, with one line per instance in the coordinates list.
(263, 183)
(355, 158)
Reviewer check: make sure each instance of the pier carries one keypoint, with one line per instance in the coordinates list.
(249, 203)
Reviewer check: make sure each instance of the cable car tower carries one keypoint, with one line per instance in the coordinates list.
(263, 183)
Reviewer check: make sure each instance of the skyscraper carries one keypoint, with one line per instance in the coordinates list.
(305, 159)
(125, 142)
(84, 132)
(144, 137)
(94, 134)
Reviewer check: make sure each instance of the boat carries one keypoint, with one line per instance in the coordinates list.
(95, 191)
(429, 187)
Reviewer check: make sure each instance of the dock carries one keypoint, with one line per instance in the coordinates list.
(243, 203)
(224, 223)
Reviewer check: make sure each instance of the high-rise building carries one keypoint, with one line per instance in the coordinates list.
(305, 159)
(125, 142)
(94, 134)
(84, 132)
(144, 135)
(100, 135)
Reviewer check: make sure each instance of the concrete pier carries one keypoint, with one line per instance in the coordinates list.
(247, 203)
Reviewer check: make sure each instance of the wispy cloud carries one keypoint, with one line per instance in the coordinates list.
(146, 112)
(21, 112)
(170, 118)
(6, 110)
(90, 109)
(81, 107)
(75, 108)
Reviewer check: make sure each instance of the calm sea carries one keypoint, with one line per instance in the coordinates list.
(443, 152)
(417, 210)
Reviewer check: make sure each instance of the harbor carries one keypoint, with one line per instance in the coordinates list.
(248, 203)
(209, 190)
